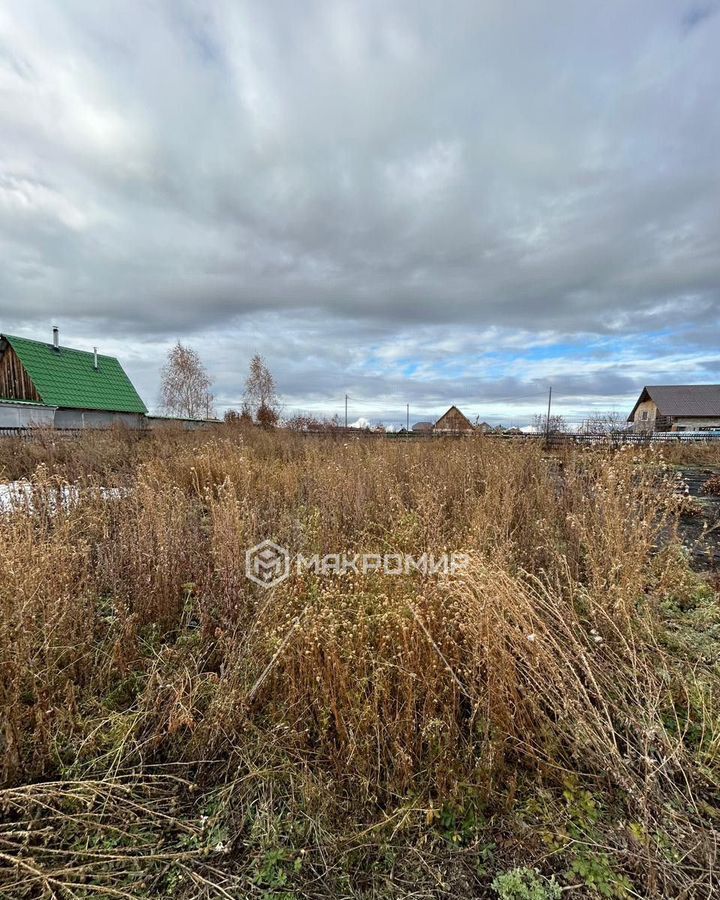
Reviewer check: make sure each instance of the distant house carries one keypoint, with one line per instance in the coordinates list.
(677, 407)
(453, 422)
(484, 428)
(46, 384)
(422, 427)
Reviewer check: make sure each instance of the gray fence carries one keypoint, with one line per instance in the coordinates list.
(616, 439)
(610, 439)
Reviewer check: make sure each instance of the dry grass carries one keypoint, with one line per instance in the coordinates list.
(168, 728)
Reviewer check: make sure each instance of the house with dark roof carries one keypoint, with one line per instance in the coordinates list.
(453, 422)
(677, 407)
(46, 384)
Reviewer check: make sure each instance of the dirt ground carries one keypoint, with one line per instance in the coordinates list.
(700, 529)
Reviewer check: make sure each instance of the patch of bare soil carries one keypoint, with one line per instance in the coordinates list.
(700, 525)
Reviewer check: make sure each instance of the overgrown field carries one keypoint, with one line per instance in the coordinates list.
(548, 719)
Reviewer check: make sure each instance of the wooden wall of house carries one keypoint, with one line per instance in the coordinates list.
(15, 383)
(453, 420)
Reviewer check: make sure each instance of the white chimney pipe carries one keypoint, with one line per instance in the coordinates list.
(56, 337)
(95, 358)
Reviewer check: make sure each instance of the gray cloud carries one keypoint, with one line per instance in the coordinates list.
(360, 176)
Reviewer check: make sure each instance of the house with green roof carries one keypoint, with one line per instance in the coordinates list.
(47, 384)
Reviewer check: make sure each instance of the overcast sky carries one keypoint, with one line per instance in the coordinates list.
(424, 202)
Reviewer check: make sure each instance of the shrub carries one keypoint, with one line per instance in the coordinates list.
(526, 884)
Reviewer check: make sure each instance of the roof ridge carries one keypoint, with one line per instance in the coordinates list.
(16, 337)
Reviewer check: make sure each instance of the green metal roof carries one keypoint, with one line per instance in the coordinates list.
(68, 378)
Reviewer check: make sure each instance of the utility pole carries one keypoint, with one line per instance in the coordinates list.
(547, 421)
(407, 423)
(346, 399)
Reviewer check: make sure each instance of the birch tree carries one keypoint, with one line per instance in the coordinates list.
(185, 384)
(261, 398)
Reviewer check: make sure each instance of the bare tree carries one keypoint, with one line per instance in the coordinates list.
(185, 384)
(261, 400)
(556, 425)
(604, 423)
(308, 422)
(245, 415)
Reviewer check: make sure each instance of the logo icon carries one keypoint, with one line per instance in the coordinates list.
(267, 564)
